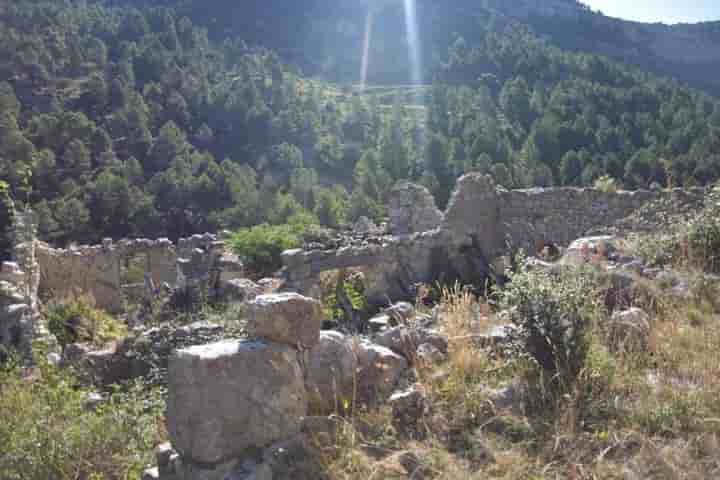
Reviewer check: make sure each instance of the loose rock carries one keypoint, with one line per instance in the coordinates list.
(330, 373)
(379, 370)
(287, 318)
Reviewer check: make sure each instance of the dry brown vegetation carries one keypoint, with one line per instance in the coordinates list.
(628, 414)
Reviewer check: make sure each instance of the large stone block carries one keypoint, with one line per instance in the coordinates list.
(229, 396)
(330, 373)
(287, 318)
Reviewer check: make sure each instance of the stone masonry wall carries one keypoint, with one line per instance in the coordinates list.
(481, 224)
(100, 271)
(560, 215)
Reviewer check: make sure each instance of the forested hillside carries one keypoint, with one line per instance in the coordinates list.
(324, 37)
(165, 121)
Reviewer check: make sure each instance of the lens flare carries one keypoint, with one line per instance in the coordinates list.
(366, 49)
(413, 38)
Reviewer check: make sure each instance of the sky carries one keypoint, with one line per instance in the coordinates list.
(666, 11)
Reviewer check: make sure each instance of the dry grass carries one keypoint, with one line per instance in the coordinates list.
(653, 414)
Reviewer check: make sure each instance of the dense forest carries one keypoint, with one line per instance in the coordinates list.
(158, 121)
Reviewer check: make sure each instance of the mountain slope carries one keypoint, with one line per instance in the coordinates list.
(118, 121)
(326, 37)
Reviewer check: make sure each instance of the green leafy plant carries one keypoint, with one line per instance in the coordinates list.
(78, 321)
(354, 292)
(48, 432)
(262, 246)
(553, 315)
(606, 184)
(703, 243)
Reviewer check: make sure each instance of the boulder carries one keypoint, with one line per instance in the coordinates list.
(330, 373)
(429, 354)
(405, 340)
(585, 249)
(629, 330)
(401, 313)
(379, 370)
(287, 318)
(409, 408)
(365, 226)
(228, 396)
(412, 209)
(230, 266)
(239, 290)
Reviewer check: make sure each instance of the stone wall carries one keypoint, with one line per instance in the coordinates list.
(108, 273)
(20, 320)
(481, 224)
(531, 218)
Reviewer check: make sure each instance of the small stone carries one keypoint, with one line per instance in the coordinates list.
(93, 400)
(294, 459)
(54, 359)
(163, 454)
(380, 322)
(400, 313)
(151, 474)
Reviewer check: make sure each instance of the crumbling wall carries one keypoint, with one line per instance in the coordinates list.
(534, 217)
(481, 224)
(102, 271)
(20, 321)
(393, 264)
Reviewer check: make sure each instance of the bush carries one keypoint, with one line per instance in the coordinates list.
(261, 247)
(354, 291)
(606, 184)
(703, 243)
(48, 433)
(78, 321)
(553, 315)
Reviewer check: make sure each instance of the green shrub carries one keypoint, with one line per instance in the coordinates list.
(658, 250)
(703, 242)
(553, 315)
(606, 184)
(48, 433)
(78, 321)
(355, 292)
(261, 247)
(670, 418)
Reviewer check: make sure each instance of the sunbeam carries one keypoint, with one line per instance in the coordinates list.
(366, 49)
(413, 37)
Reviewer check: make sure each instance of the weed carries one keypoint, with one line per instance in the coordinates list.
(78, 321)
